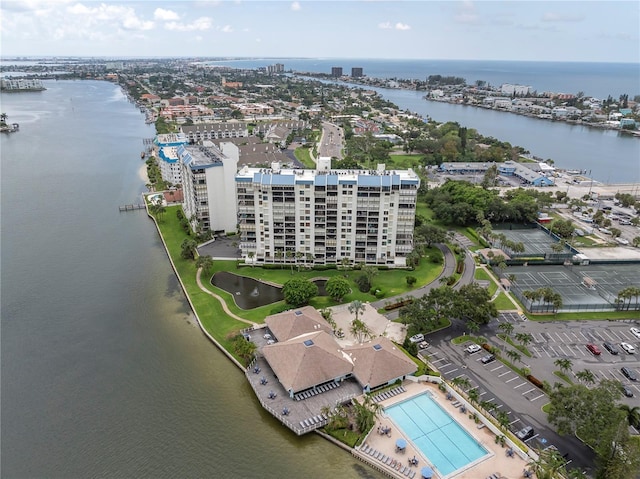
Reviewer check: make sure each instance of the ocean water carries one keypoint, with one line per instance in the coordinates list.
(104, 371)
(595, 79)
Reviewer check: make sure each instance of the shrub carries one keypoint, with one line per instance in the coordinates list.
(379, 294)
(460, 267)
(535, 381)
(488, 347)
(399, 304)
(411, 280)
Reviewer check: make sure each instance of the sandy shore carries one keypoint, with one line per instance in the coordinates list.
(142, 173)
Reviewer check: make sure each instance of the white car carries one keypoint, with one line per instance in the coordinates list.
(472, 348)
(417, 338)
(635, 332)
(628, 348)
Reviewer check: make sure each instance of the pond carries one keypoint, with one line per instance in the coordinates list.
(249, 293)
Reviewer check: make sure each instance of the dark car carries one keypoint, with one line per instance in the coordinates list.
(525, 433)
(629, 373)
(610, 347)
(626, 390)
(487, 359)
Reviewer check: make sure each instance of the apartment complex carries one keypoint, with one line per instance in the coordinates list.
(326, 216)
(214, 131)
(208, 186)
(166, 151)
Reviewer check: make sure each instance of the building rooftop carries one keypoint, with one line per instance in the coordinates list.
(373, 178)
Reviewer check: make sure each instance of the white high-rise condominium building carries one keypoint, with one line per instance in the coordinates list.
(326, 216)
(208, 186)
(166, 146)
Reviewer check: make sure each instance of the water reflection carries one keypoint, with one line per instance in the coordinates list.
(249, 293)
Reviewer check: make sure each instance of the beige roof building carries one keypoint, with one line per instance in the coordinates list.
(379, 362)
(307, 355)
(308, 360)
(293, 323)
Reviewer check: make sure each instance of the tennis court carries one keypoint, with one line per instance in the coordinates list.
(536, 242)
(579, 286)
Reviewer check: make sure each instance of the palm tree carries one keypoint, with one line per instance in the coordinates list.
(356, 307)
(586, 376)
(524, 338)
(461, 382)
(506, 328)
(515, 356)
(503, 420)
(633, 415)
(473, 395)
(550, 464)
(3, 117)
(565, 365)
(473, 327)
(205, 262)
(360, 330)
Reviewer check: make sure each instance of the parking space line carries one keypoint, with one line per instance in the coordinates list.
(603, 374)
(613, 375)
(513, 422)
(537, 397)
(568, 338)
(575, 335)
(453, 370)
(561, 350)
(438, 360)
(608, 336)
(499, 367)
(560, 339)
(527, 392)
(596, 334)
(585, 338)
(553, 351)
(541, 340)
(460, 375)
(482, 393)
(579, 348)
(546, 352)
(519, 385)
(512, 379)
(506, 372)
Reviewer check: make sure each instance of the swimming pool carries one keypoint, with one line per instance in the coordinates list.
(438, 436)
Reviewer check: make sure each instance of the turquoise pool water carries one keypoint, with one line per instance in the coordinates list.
(438, 436)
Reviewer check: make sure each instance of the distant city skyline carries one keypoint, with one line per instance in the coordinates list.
(592, 31)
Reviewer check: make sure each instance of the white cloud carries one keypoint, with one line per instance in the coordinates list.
(202, 23)
(227, 29)
(165, 15)
(390, 26)
(112, 15)
(561, 17)
(295, 6)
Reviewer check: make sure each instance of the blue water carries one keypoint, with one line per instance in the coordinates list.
(595, 79)
(438, 436)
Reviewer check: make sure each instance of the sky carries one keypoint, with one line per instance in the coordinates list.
(577, 30)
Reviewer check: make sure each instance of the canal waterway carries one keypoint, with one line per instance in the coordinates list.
(104, 372)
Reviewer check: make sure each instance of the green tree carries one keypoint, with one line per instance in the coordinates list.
(506, 328)
(188, 249)
(472, 303)
(356, 307)
(586, 376)
(565, 365)
(549, 465)
(337, 288)
(243, 348)
(297, 291)
(360, 330)
(428, 234)
(205, 262)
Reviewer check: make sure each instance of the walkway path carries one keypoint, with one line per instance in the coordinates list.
(222, 301)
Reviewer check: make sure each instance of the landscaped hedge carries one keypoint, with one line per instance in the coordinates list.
(399, 304)
(460, 267)
(535, 381)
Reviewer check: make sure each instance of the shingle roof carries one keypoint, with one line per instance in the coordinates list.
(292, 323)
(379, 361)
(307, 360)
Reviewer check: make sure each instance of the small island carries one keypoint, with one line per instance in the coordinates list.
(5, 127)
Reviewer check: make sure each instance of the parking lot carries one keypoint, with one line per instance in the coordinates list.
(498, 384)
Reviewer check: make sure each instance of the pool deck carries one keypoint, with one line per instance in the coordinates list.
(497, 462)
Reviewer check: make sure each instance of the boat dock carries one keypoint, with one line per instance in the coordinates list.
(132, 207)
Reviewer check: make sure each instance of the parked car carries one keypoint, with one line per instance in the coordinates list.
(629, 374)
(610, 347)
(423, 345)
(594, 349)
(626, 390)
(417, 338)
(628, 348)
(473, 348)
(487, 359)
(525, 433)
(635, 332)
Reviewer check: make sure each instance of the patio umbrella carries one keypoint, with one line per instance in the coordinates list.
(427, 472)
(401, 443)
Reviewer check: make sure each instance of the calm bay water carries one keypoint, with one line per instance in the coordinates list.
(104, 373)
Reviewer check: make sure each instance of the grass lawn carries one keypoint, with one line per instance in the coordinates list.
(483, 275)
(304, 156)
(503, 303)
(402, 162)
(222, 327)
(563, 376)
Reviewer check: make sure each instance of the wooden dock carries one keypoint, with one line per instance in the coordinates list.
(132, 207)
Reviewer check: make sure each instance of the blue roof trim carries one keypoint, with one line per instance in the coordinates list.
(304, 182)
(409, 182)
(320, 180)
(332, 180)
(348, 182)
(243, 179)
(283, 180)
